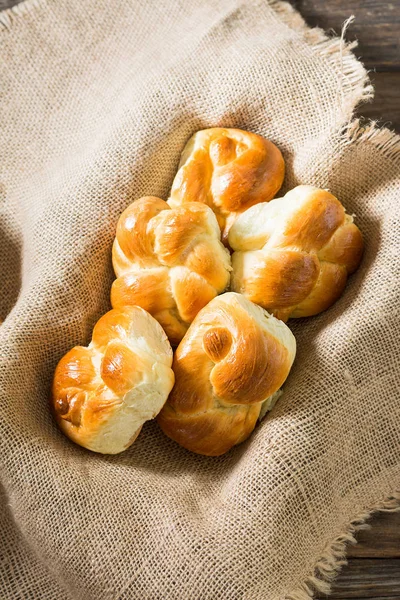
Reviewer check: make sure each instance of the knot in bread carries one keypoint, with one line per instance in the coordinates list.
(233, 358)
(217, 343)
(170, 262)
(229, 170)
(103, 393)
(293, 255)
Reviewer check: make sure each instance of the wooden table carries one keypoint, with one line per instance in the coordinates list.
(373, 569)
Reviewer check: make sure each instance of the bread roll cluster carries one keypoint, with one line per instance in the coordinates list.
(174, 261)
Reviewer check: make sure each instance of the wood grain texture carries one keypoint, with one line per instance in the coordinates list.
(385, 107)
(377, 29)
(376, 26)
(382, 540)
(368, 578)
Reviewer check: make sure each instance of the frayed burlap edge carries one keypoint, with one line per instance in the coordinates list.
(333, 557)
(9, 16)
(384, 140)
(354, 87)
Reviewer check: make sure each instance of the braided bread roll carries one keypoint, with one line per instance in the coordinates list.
(103, 393)
(293, 255)
(233, 358)
(171, 262)
(229, 170)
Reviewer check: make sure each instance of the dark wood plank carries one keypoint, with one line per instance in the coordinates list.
(385, 107)
(376, 26)
(368, 578)
(381, 540)
(8, 3)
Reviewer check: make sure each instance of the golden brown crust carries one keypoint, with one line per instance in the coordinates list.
(134, 237)
(293, 255)
(232, 358)
(102, 394)
(229, 170)
(170, 262)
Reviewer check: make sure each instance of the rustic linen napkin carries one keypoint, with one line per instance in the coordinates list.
(98, 100)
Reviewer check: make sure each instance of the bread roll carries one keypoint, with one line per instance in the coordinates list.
(293, 255)
(171, 262)
(103, 393)
(228, 169)
(233, 358)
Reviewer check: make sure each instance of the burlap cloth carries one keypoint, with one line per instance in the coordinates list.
(98, 100)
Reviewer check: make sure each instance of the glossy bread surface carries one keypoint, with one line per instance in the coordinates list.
(233, 357)
(171, 262)
(103, 393)
(229, 170)
(293, 255)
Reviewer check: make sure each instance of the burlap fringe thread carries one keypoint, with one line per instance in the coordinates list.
(353, 81)
(385, 140)
(334, 556)
(10, 15)
(354, 87)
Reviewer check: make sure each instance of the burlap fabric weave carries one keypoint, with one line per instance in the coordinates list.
(97, 101)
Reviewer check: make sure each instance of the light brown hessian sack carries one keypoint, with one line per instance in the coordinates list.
(98, 100)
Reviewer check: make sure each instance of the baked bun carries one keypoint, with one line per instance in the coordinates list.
(228, 169)
(293, 255)
(171, 262)
(233, 358)
(103, 393)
